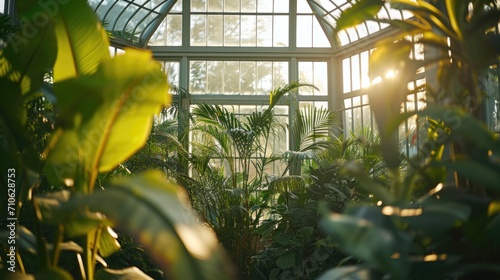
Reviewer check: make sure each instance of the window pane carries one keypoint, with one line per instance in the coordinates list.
(172, 70)
(249, 6)
(265, 6)
(315, 73)
(237, 77)
(197, 77)
(198, 30)
(321, 78)
(215, 5)
(215, 74)
(280, 74)
(280, 28)
(231, 77)
(264, 32)
(248, 77)
(319, 37)
(215, 27)
(264, 77)
(248, 31)
(231, 6)
(346, 74)
(355, 73)
(198, 5)
(231, 30)
(304, 31)
(303, 7)
(281, 6)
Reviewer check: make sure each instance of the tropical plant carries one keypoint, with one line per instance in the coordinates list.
(97, 127)
(451, 231)
(231, 163)
(294, 245)
(7, 27)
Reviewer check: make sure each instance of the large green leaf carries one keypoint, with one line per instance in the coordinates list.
(81, 40)
(361, 11)
(156, 213)
(107, 116)
(369, 241)
(23, 63)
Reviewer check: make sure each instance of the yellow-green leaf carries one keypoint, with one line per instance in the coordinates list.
(106, 116)
(156, 212)
(108, 244)
(81, 40)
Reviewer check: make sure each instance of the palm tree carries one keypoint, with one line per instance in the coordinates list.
(230, 185)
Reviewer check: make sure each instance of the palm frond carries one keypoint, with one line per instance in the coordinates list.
(7, 27)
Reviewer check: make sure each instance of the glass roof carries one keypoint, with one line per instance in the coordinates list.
(133, 21)
(136, 21)
(328, 11)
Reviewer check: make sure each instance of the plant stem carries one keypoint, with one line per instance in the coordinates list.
(88, 255)
(57, 245)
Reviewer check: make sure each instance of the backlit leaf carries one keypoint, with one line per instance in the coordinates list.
(108, 115)
(361, 11)
(82, 42)
(178, 243)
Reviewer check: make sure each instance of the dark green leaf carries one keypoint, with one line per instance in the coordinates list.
(368, 241)
(361, 11)
(286, 260)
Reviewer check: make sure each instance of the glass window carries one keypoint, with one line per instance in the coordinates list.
(309, 31)
(355, 72)
(169, 32)
(237, 77)
(315, 73)
(171, 68)
(328, 12)
(237, 23)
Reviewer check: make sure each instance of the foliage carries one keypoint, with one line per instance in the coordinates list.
(231, 161)
(450, 231)
(96, 127)
(7, 27)
(294, 245)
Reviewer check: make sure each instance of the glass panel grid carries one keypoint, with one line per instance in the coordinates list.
(242, 23)
(329, 10)
(277, 142)
(314, 73)
(237, 77)
(128, 19)
(309, 31)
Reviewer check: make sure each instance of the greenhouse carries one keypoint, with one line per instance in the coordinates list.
(249, 139)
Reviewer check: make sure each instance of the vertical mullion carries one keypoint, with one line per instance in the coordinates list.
(186, 24)
(292, 24)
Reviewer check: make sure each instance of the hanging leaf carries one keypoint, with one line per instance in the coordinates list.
(82, 42)
(359, 12)
(107, 117)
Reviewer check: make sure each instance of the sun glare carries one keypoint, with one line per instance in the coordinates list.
(390, 74)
